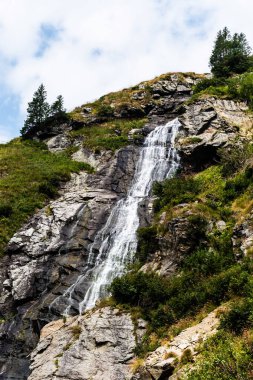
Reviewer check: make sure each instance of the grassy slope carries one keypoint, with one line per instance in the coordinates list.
(106, 135)
(29, 176)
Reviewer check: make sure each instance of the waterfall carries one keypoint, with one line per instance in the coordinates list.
(117, 239)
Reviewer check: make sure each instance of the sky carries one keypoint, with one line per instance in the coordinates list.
(83, 49)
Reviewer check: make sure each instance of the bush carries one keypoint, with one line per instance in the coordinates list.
(233, 158)
(206, 263)
(165, 300)
(234, 187)
(174, 191)
(105, 110)
(147, 242)
(140, 289)
(239, 317)
(206, 83)
(5, 210)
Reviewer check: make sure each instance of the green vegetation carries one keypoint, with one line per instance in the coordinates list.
(231, 65)
(76, 330)
(231, 54)
(174, 191)
(240, 315)
(235, 157)
(111, 135)
(239, 87)
(147, 242)
(163, 302)
(225, 357)
(29, 176)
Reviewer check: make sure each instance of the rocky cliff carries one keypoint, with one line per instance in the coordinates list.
(46, 256)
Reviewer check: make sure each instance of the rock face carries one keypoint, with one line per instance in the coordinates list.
(182, 237)
(99, 345)
(243, 237)
(161, 363)
(210, 124)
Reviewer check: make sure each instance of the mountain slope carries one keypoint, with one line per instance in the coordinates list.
(203, 210)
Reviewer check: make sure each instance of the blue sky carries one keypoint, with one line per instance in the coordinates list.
(85, 48)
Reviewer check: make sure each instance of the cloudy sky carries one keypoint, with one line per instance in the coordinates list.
(83, 49)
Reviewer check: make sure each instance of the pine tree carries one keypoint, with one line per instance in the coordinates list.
(230, 54)
(57, 107)
(37, 111)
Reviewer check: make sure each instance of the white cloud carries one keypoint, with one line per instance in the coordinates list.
(104, 45)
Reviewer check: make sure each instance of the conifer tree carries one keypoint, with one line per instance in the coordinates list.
(57, 107)
(231, 54)
(37, 111)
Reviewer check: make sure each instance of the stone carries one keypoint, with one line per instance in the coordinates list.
(221, 225)
(98, 345)
(162, 362)
(210, 124)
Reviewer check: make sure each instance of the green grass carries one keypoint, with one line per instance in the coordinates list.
(29, 176)
(111, 135)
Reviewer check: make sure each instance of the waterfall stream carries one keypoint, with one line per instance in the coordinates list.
(117, 239)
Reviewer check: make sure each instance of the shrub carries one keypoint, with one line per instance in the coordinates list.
(147, 242)
(232, 159)
(207, 262)
(187, 356)
(105, 110)
(208, 82)
(174, 191)
(140, 289)
(5, 210)
(239, 317)
(76, 331)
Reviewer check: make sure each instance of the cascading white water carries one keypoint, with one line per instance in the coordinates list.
(158, 160)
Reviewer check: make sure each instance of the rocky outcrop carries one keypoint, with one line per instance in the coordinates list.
(209, 124)
(243, 237)
(161, 363)
(181, 237)
(161, 96)
(98, 345)
(47, 255)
